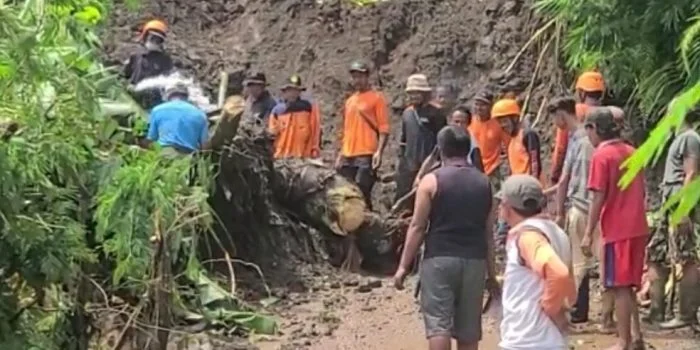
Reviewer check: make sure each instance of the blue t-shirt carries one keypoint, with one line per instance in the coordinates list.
(178, 123)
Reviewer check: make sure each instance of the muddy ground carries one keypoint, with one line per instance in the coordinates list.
(468, 43)
(368, 313)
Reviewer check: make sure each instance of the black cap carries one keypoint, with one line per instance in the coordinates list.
(255, 78)
(294, 82)
(358, 66)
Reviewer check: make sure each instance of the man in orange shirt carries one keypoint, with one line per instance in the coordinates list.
(489, 136)
(295, 124)
(524, 145)
(364, 132)
(590, 87)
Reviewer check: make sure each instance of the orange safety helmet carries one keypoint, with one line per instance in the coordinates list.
(506, 107)
(590, 82)
(153, 25)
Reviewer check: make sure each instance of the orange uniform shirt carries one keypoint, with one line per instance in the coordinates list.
(490, 138)
(365, 116)
(561, 142)
(518, 157)
(524, 153)
(297, 129)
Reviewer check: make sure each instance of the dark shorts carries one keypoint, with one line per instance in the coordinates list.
(623, 262)
(452, 291)
(359, 170)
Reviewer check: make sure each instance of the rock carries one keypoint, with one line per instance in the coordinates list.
(363, 289)
(368, 308)
(374, 283)
(351, 283)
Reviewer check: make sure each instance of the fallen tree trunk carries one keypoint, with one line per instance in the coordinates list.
(274, 210)
(319, 195)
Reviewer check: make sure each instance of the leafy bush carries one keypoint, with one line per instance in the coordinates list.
(649, 51)
(78, 206)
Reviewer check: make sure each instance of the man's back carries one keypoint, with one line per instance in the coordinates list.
(178, 124)
(605, 173)
(458, 215)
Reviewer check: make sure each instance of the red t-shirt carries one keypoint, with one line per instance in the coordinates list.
(623, 216)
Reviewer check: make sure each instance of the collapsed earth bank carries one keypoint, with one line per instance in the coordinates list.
(470, 44)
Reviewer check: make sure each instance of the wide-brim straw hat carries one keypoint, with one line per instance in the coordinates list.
(418, 82)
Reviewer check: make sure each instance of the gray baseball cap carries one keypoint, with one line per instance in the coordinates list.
(522, 192)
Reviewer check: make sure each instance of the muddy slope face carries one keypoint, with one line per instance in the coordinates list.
(467, 43)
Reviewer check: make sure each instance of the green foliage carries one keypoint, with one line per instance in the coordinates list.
(74, 198)
(635, 44)
(649, 51)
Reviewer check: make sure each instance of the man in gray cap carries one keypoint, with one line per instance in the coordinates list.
(178, 126)
(538, 285)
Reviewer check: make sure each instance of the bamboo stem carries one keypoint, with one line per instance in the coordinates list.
(529, 42)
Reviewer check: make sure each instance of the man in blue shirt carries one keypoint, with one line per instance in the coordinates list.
(177, 125)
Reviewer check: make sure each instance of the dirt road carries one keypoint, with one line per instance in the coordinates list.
(368, 314)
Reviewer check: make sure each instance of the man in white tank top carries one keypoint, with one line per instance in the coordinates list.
(538, 285)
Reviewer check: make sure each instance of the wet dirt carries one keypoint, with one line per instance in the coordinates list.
(348, 316)
(467, 44)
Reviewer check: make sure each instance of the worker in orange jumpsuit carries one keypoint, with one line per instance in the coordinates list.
(524, 146)
(489, 136)
(364, 132)
(590, 88)
(295, 123)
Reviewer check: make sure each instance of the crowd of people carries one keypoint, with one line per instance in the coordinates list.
(451, 156)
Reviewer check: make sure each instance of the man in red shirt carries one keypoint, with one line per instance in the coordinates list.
(623, 225)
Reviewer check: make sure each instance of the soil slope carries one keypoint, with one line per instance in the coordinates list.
(467, 43)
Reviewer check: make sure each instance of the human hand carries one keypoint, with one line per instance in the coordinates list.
(586, 243)
(376, 160)
(400, 278)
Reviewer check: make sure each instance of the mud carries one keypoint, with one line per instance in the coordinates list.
(349, 318)
(464, 43)
(467, 43)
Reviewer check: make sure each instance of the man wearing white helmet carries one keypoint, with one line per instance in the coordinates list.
(177, 125)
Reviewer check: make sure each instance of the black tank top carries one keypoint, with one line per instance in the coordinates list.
(458, 214)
